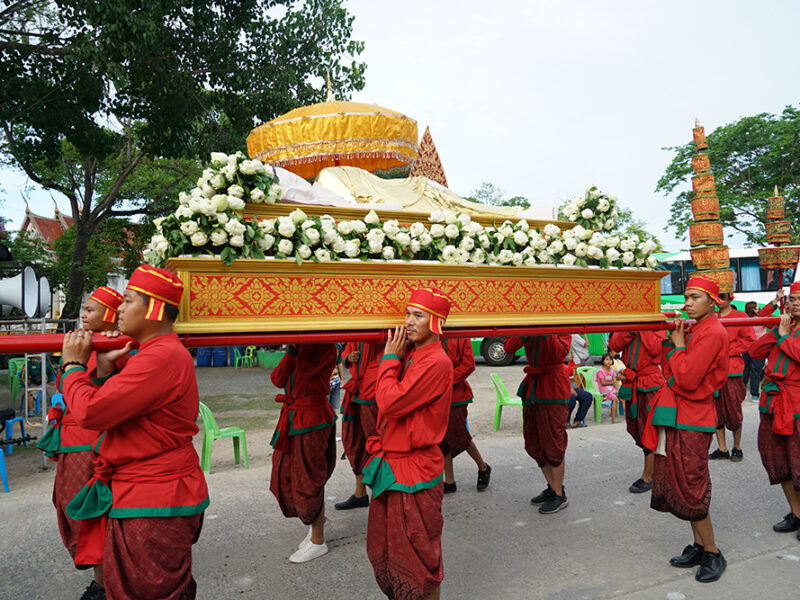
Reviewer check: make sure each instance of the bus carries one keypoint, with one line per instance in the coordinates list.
(751, 282)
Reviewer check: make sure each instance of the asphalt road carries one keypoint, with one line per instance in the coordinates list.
(607, 544)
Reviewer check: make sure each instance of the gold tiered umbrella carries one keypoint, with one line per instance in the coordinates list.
(308, 139)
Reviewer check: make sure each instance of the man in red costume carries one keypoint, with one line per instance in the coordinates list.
(728, 401)
(458, 439)
(304, 441)
(642, 378)
(545, 394)
(71, 447)
(779, 405)
(404, 532)
(359, 413)
(681, 424)
(147, 479)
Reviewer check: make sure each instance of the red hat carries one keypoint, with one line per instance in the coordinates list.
(795, 288)
(705, 284)
(162, 287)
(110, 299)
(433, 302)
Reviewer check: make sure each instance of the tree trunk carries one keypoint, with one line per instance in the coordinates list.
(75, 287)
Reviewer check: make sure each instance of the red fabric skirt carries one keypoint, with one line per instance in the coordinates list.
(635, 426)
(404, 542)
(729, 404)
(355, 434)
(681, 481)
(457, 438)
(545, 432)
(780, 454)
(299, 475)
(150, 557)
(73, 471)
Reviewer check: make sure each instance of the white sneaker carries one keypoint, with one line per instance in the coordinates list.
(309, 552)
(308, 535)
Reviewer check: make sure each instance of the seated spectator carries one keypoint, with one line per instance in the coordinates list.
(580, 397)
(607, 378)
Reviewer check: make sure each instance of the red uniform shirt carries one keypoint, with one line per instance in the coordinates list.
(546, 378)
(780, 395)
(693, 374)
(641, 354)
(305, 376)
(363, 372)
(739, 340)
(148, 413)
(459, 350)
(413, 409)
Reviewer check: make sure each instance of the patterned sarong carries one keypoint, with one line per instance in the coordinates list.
(780, 454)
(729, 404)
(681, 481)
(635, 424)
(457, 438)
(73, 471)
(544, 427)
(355, 431)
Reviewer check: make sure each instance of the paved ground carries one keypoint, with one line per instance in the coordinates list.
(606, 544)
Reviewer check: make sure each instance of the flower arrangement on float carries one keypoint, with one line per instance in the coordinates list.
(209, 222)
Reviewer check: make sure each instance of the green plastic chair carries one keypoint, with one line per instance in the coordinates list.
(250, 355)
(587, 381)
(503, 399)
(240, 359)
(212, 432)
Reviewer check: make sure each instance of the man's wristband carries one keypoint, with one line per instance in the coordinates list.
(64, 366)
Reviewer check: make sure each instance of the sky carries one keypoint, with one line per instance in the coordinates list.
(543, 99)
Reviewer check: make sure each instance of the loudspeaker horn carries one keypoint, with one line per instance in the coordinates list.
(44, 296)
(21, 292)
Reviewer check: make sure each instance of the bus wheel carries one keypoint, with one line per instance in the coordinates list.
(494, 354)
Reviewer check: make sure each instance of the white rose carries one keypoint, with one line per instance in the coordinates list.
(266, 225)
(313, 236)
(415, 246)
(580, 201)
(376, 235)
(507, 231)
(197, 192)
(652, 262)
(352, 248)
(520, 238)
(450, 218)
(285, 247)
(465, 220)
(569, 233)
(626, 245)
(183, 198)
(391, 228)
(467, 244)
(235, 203)
(478, 256)
(403, 239)
(462, 256)
(338, 245)
(388, 253)
(218, 181)
(484, 241)
(437, 230)
(581, 249)
(359, 226)
(329, 236)
(571, 243)
(552, 230)
(587, 213)
(236, 240)
(595, 252)
(639, 262)
(257, 195)
(556, 247)
(298, 216)
(517, 259)
(322, 255)
(425, 239)
(375, 247)
(612, 254)
(235, 227)
(190, 227)
(307, 225)
(196, 204)
(597, 239)
(579, 232)
(183, 211)
(569, 259)
(544, 258)
(523, 225)
(303, 251)
(596, 193)
(372, 218)
(209, 191)
(345, 227)
(222, 218)
(451, 231)
(220, 202)
(199, 238)
(449, 254)
(437, 216)
(417, 229)
(627, 257)
(499, 238)
(236, 190)
(609, 224)
(219, 158)
(286, 228)
(603, 205)
(505, 257)
(266, 242)
(612, 241)
(530, 260)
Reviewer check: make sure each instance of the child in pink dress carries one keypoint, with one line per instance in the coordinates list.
(606, 380)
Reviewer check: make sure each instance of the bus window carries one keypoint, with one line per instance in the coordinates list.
(671, 284)
(754, 279)
(769, 278)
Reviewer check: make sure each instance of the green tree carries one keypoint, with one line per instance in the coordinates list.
(113, 104)
(748, 159)
(489, 193)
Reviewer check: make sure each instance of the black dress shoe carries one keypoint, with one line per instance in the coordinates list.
(640, 486)
(711, 568)
(353, 502)
(691, 557)
(789, 523)
(450, 488)
(719, 454)
(483, 478)
(94, 592)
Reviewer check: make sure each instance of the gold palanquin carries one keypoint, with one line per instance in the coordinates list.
(280, 295)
